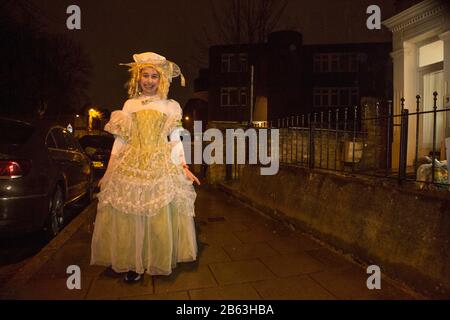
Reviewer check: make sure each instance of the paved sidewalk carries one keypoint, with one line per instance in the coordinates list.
(242, 255)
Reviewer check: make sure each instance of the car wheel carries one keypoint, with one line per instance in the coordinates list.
(55, 221)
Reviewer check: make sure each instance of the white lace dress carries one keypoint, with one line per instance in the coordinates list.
(145, 211)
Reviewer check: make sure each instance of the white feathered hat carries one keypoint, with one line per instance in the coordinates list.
(149, 59)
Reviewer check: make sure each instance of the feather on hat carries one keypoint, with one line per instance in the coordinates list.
(148, 59)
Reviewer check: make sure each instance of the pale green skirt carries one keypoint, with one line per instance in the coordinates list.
(144, 244)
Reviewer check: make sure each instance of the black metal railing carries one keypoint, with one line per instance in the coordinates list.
(368, 139)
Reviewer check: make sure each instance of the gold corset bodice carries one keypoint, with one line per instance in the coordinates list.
(148, 129)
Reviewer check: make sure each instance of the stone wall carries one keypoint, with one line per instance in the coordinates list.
(406, 233)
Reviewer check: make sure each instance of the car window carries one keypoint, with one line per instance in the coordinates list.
(14, 133)
(61, 142)
(73, 145)
(50, 141)
(95, 141)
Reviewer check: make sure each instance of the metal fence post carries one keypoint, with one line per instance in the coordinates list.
(301, 135)
(328, 139)
(336, 146)
(434, 135)
(321, 138)
(416, 160)
(403, 144)
(290, 131)
(389, 137)
(311, 146)
(308, 151)
(354, 136)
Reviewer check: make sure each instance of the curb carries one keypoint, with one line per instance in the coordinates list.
(35, 263)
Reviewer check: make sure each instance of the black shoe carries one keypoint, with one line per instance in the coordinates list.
(132, 276)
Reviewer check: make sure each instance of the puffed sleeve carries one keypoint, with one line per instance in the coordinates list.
(119, 125)
(175, 130)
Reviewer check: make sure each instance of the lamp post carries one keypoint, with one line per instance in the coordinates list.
(93, 114)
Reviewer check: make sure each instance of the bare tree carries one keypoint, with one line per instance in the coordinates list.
(247, 21)
(65, 73)
(41, 73)
(241, 21)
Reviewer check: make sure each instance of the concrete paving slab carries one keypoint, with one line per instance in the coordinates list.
(330, 259)
(350, 284)
(292, 264)
(236, 272)
(230, 225)
(292, 288)
(52, 288)
(179, 295)
(185, 278)
(218, 238)
(253, 236)
(208, 254)
(115, 288)
(292, 244)
(232, 292)
(250, 251)
(73, 253)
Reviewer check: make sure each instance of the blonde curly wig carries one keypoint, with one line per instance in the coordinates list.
(133, 86)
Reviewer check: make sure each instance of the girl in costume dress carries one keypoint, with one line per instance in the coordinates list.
(144, 221)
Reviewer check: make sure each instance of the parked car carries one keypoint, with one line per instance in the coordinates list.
(98, 148)
(42, 169)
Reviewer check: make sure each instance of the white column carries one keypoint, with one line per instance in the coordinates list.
(410, 91)
(445, 36)
(398, 66)
(404, 61)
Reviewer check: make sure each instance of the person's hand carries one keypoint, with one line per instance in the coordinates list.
(190, 175)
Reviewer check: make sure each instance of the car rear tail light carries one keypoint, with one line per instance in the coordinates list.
(14, 168)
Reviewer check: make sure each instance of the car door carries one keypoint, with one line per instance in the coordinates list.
(58, 149)
(81, 165)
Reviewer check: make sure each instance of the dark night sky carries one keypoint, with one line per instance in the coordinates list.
(112, 30)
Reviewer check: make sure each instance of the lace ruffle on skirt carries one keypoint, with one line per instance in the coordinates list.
(146, 180)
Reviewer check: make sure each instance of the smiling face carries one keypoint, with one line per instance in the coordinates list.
(149, 81)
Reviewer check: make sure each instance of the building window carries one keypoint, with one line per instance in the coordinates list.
(243, 97)
(354, 96)
(335, 97)
(344, 63)
(334, 93)
(233, 97)
(431, 53)
(353, 62)
(231, 63)
(344, 97)
(336, 62)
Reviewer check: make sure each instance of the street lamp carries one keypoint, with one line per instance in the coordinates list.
(93, 114)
